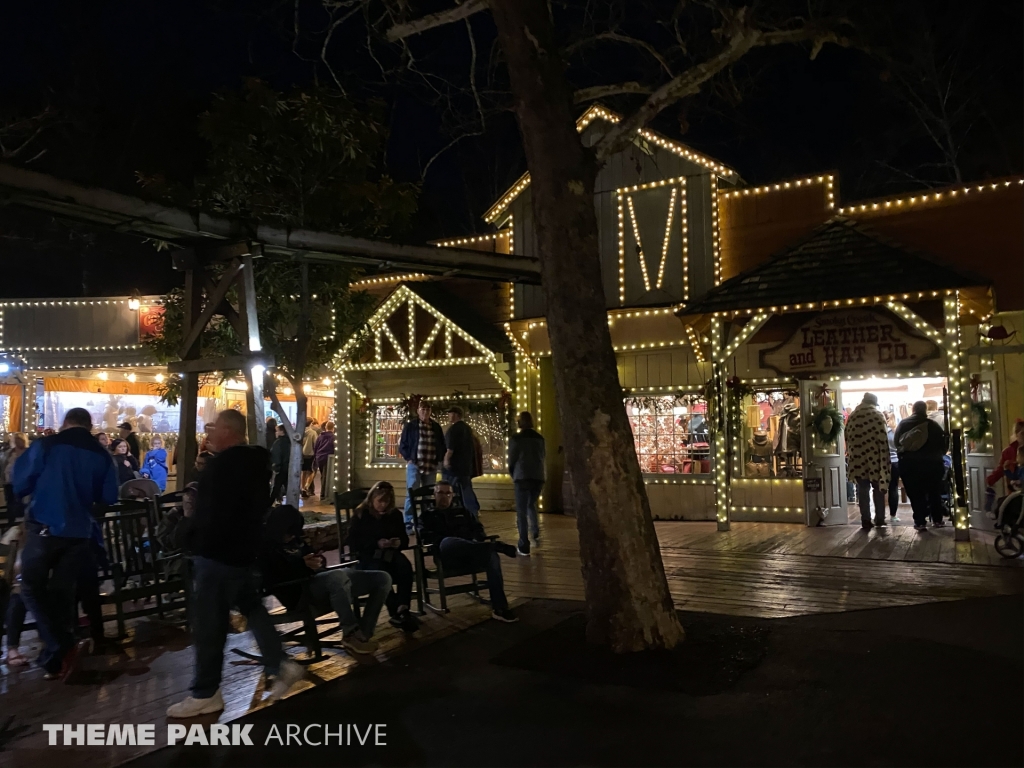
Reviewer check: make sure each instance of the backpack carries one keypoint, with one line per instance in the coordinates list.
(913, 439)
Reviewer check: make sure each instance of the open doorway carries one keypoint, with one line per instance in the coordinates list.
(896, 398)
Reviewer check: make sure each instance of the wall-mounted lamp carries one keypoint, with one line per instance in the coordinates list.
(135, 301)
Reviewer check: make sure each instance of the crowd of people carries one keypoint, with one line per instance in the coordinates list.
(882, 454)
(242, 543)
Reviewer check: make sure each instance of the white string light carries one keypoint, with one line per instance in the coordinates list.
(924, 199)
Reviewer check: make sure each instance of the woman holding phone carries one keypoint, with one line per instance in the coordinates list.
(377, 537)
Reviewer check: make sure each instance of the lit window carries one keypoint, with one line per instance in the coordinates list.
(387, 430)
(772, 443)
(670, 434)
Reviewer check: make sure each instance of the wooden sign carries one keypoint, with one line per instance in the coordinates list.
(812, 485)
(151, 320)
(855, 340)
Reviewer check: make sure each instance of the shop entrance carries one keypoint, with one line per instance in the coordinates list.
(825, 465)
(896, 398)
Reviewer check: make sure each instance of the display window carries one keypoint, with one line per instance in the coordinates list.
(670, 433)
(772, 438)
(146, 413)
(387, 430)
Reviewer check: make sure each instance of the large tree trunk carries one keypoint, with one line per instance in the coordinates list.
(628, 603)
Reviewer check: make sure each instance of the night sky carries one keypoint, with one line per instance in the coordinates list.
(127, 80)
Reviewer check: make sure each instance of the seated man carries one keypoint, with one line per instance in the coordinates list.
(458, 541)
(286, 560)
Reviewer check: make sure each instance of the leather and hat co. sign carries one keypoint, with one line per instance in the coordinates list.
(851, 340)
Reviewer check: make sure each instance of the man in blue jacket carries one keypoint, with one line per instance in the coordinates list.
(65, 474)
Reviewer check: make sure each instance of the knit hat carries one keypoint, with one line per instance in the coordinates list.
(870, 398)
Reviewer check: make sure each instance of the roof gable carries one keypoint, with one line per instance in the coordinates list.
(598, 112)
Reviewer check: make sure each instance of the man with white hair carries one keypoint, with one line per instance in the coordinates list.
(225, 536)
(867, 452)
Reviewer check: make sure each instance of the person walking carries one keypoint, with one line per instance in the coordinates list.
(421, 445)
(920, 445)
(280, 454)
(225, 537)
(66, 474)
(323, 455)
(129, 436)
(19, 444)
(894, 467)
(460, 459)
(309, 438)
(271, 431)
(867, 450)
(526, 455)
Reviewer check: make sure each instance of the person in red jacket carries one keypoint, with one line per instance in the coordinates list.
(1008, 460)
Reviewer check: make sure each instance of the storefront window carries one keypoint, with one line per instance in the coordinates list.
(772, 443)
(387, 429)
(146, 413)
(671, 434)
(492, 432)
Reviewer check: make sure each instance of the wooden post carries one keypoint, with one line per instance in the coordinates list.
(253, 376)
(187, 443)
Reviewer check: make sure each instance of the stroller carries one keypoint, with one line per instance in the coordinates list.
(1009, 516)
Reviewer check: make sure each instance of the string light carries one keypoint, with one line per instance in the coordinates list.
(823, 305)
(691, 336)
(389, 279)
(597, 112)
(924, 199)
(716, 252)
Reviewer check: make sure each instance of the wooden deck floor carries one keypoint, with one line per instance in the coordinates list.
(768, 570)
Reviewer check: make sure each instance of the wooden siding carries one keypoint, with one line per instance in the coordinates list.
(756, 226)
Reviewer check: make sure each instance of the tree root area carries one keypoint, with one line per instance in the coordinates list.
(717, 652)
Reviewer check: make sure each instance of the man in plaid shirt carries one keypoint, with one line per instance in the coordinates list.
(421, 444)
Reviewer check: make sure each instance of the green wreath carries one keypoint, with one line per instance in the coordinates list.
(827, 433)
(981, 426)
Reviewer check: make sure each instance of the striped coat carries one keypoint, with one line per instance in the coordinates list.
(867, 445)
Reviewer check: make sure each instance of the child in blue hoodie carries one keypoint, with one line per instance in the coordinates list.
(155, 465)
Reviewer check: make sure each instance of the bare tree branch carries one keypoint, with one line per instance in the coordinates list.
(741, 39)
(418, 26)
(618, 37)
(603, 91)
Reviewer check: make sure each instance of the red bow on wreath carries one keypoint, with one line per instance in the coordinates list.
(824, 396)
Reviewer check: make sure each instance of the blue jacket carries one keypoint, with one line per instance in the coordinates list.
(155, 467)
(66, 474)
(409, 443)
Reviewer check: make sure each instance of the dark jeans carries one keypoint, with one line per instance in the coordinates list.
(463, 556)
(337, 589)
(527, 494)
(217, 589)
(463, 485)
(15, 508)
(894, 488)
(15, 620)
(50, 567)
(87, 592)
(400, 570)
(922, 479)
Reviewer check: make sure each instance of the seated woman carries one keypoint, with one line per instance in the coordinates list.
(377, 537)
(286, 560)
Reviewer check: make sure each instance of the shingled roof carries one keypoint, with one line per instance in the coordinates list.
(840, 260)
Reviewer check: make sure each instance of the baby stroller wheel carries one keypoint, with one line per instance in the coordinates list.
(1009, 546)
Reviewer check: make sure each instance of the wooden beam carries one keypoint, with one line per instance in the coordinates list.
(187, 447)
(199, 325)
(222, 364)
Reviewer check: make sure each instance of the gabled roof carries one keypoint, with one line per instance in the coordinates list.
(599, 112)
(840, 260)
(461, 315)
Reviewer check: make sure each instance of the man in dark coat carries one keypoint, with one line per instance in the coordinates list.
(920, 445)
(460, 459)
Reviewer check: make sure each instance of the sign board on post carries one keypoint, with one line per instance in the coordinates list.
(151, 320)
(850, 341)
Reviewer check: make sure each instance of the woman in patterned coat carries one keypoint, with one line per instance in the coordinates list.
(867, 452)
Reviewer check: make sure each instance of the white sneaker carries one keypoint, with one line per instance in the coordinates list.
(289, 675)
(191, 707)
(521, 553)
